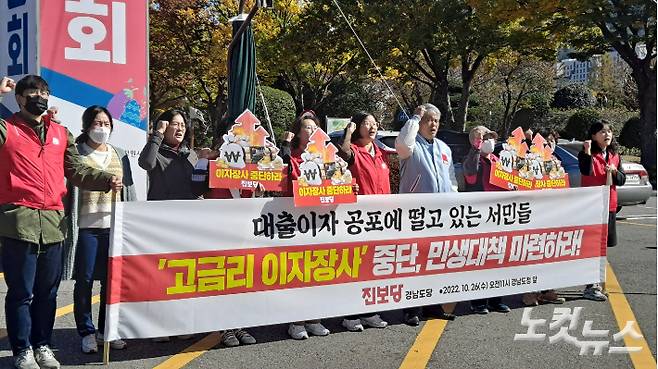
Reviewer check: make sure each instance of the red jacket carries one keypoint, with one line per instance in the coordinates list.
(295, 161)
(371, 173)
(598, 175)
(481, 180)
(32, 173)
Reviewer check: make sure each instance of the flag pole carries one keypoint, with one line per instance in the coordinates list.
(106, 343)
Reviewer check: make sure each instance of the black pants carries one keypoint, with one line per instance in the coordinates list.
(32, 273)
(612, 233)
(485, 302)
(436, 310)
(612, 229)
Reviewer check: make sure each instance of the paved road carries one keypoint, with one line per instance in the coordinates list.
(472, 341)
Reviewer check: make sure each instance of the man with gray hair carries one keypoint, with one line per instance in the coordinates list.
(425, 161)
(425, 167)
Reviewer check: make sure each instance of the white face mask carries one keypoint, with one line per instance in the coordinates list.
(100, 135)
(488, 146)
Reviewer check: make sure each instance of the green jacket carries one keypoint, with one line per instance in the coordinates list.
(48, 226)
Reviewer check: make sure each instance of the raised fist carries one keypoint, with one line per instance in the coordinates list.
(420, 111)
(6, 85)
(162, 126)
(587, 147)
(288, 136)
(351, 127)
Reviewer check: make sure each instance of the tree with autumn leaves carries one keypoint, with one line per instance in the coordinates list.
(435, 50)
(595, 27)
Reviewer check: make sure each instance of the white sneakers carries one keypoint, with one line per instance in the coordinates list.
(45, 358)
(90, 343)
(25, 360)
(114, 345)
(316, 329)
(374, 322)
(357, 325)
(41, 358)
(297, 331)
(353, 325)
(300, 332)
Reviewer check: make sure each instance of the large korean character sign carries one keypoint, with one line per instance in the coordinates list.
(91, 52)
(95, 52)
(87, 30)
(18, 20)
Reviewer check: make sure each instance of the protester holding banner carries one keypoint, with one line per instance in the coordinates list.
(292, 146)
(367, 162)
(90, 216)
(169, 162)
(36, 154)
(200, 176)
(369, 166)
(425, 161)
(477, 163)
(425, 167)
(600, 165)
(477, 167)
(168, 159)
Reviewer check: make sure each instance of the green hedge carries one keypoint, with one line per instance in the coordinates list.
(281, 108)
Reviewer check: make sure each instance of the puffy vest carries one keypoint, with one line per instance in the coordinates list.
(428, 169)
(599, 176)
(32, 174)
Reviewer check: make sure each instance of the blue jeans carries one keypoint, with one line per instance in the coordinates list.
(32, 273)
(90, 265)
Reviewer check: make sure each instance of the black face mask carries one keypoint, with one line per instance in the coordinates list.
(36, 105)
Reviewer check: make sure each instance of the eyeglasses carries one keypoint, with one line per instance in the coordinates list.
(177, 125)
(33, 92)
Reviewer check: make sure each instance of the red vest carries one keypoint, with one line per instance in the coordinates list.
(32, 174)
(599, 176)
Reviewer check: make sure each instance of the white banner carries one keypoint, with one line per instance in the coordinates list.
(181, 267)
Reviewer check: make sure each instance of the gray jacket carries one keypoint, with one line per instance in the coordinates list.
(170, 171)
(128, 193)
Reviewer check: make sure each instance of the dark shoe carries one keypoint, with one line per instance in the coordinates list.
(244, 337)
(447, 316)
(550, 297)
(436, 311)
(480, 309)
(412, 320)
(593, 293)
(500, 308)
(229, 339)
